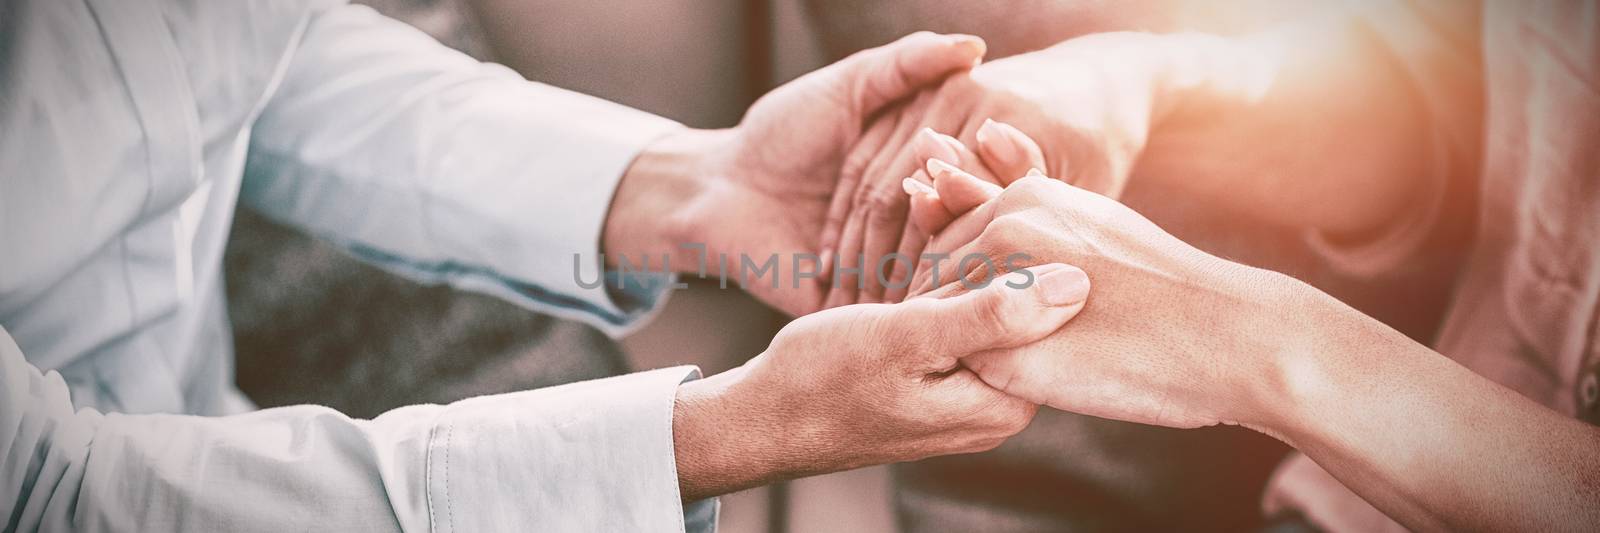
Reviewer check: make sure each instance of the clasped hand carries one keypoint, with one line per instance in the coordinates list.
(1174, 336)
(951, 369)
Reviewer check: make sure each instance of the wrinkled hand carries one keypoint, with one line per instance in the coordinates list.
(779, 166)
(1088, 104)
(1173, 336)
(871, 384)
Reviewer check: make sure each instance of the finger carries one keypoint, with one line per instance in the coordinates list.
(1017, 372)
(927, 210)
(946, 290)
(886, 221)
(890, 72)
(911, 243)
(1008, 152)
(959, 190)
(844, 194)
(956, 288)
(928, 214)
(928, 144)
(972, 405)
(886, 208)
(1020, 371)
(888, 165)
(1019, 308)
(844, 283)
(895, 132)
(957, 240)
(966, 159)
(910, 157)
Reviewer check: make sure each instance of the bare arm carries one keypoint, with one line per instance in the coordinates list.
(1179, 338)
(1427, 441)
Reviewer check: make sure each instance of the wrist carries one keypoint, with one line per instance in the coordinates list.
(657, 210)
(723, 437)
(1312, 367)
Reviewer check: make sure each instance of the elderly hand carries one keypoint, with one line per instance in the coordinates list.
(869, 384)
(1089, 102)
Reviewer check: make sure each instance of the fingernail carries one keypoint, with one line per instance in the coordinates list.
(1063, 287)
(954, 145)
(1035, 172)
(972, 45)
(999, 141)
(964, 39)
(937, 167)
(912, 187)
(929, 144)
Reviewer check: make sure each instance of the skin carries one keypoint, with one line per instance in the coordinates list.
(1426, 441)
(847, 387)
(778, 167)
(1240, 121)
(867, 384)
(1187, 113)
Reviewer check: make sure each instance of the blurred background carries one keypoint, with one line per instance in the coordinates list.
(314, 326)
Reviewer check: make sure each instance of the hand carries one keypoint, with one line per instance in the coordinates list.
(1088, 101)
(1173, 337)
(1001, 153)
(762, 188)
(954, 191)
(868, 384)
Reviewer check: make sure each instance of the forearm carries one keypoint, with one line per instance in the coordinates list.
(1312, 124)
(656, 211)
(1426, 440)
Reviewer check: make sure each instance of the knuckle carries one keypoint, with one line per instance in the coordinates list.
(1021, 194)
(1013, 417)
(1007, 226)
(885, 208)
(1016, 425)
(899, 273)
(999, 376)
(996, 436)
(1030, 186)
(855, 163)
(993, 314)
(1004, 234)
(863, 192)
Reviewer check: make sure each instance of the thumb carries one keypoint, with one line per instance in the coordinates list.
(877, 76)
(1017, 309)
